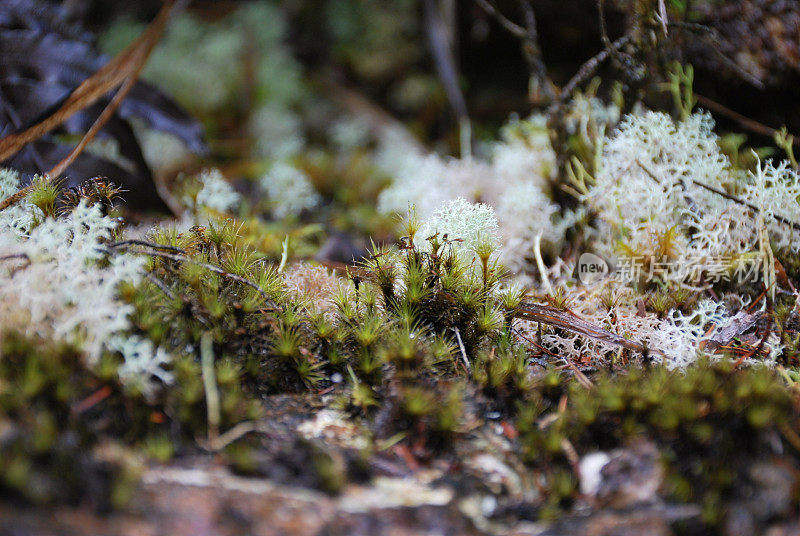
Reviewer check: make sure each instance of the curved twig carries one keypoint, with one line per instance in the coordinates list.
(560, 318)
(122, 70)
(145, 243)
(514, 29)
(590, 67)
(210, 267)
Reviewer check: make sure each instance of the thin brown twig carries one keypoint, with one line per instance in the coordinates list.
(90, 90)
(16, 197)
(751, 206)
(533, 53)
(570, 322)
(746, 122)
(511, 27)
(610, 49)
(107, 113)
(588, 69)
(601, 15)
(541, 348)
(211, 268)
(161, 285)
(580, 376)
(729, 197)
(444, 60)
(555, 112)
(120, 70)
(690, 202)
(14, 256)
(529, 37)
(92, 400)
(145, 243)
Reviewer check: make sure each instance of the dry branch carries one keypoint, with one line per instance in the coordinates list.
(560, 318)
(122, 70)
(746, 122)
(152, 251)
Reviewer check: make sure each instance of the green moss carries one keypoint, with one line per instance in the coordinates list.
(710, 423)
(56, 413)
(44, 194)
(502, 372)
(252, 324)
(44, 451)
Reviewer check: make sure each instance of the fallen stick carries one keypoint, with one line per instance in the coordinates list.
(563, 319)
(122, 71)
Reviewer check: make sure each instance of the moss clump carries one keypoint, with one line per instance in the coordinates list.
(45, 439)
(711, 423)
(218, 284)
(406, 332)
(503, 374)
(55, 413)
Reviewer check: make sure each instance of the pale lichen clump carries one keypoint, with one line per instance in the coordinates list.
(647, 175)
(428, 180)
(514, 182)
(473, 225)
(215, 192)
(289, 190)
(524, 212)
(349, 134)
(775, 190)
(676, 339)
(59, 282)
(678, 214)
(143, 362)
(524, 151)
(654, 195)
(278, 132)
(20, 218)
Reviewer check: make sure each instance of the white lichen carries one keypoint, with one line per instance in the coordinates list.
(675, 340)
(775, 190)
(20, 218)
(524, 211)
(514, 183)
(655, 198)
(143, 361)
(349, 134)
(648, 169)
(277, 132)
(289, 190)
(65, 287)
(471, 226)
(215, 192)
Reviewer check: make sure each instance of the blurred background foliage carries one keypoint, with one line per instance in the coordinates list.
(315, 85)
(381, 49)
